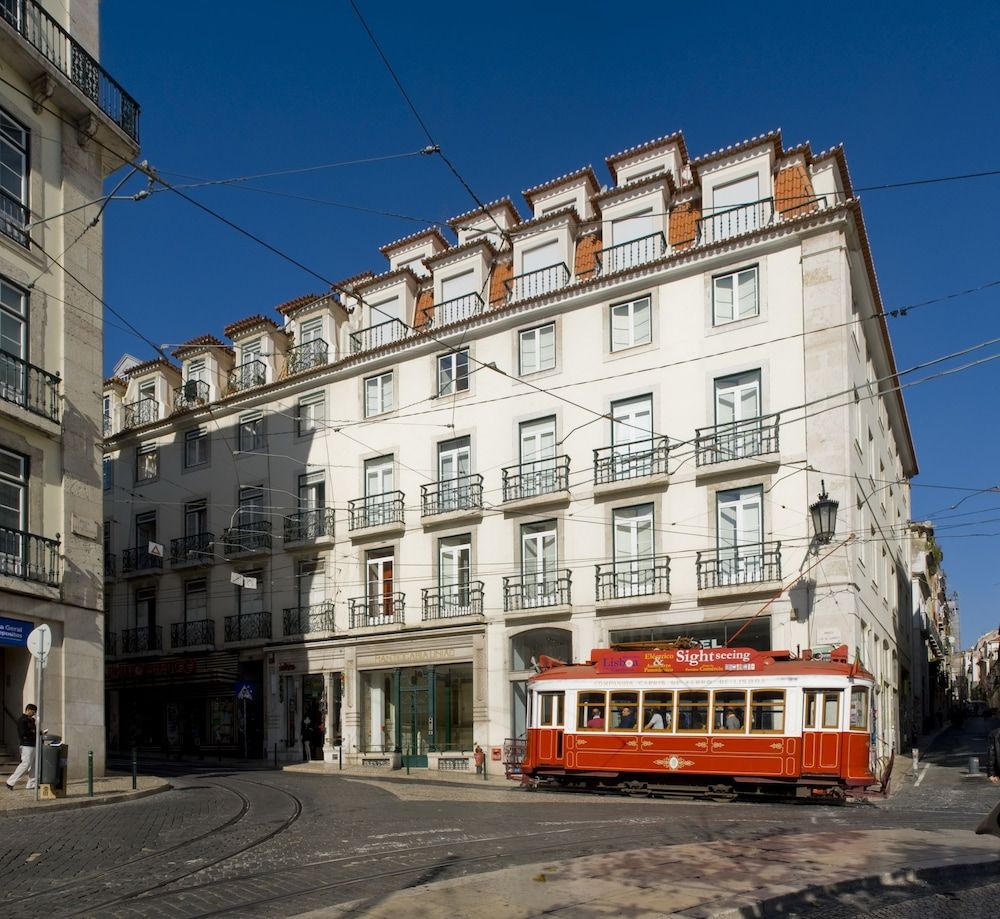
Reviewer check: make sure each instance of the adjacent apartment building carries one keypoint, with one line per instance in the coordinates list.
(65, 124)
(599, 419)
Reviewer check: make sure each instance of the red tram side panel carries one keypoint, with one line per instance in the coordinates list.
(726, 720)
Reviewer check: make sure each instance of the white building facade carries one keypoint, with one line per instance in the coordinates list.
(600, 422)
(65, 124)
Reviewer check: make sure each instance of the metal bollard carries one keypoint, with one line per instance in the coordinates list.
(90, 774)
(407, 763)
(340, 757)
(135, 768)
(973, 765)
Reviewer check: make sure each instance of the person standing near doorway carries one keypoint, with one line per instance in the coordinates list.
(27, 734)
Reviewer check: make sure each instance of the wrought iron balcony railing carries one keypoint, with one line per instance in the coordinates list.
(247, 376)
(110, 565)
(531, 480)
(56, 45)
(636, 577)
(142, 411)
(110, 644)
(382, 609)
(308, 354)
(452, 601)
(29, 557)
(631, 253)
(199, 547)
(536, 283)
(191, 634)
(630, 461)
(735, 220)
(248, 536)
(736, 565)
(29, 386)
(13, 215)
(376, 510)
(463, 493)
(248, 626)
(147, 638)
(311, 524)
(192, 394)
(140, 559)
(108, 426)
(300, 620)
(550, 588)
(377, 336)
(736, 440)
(455, 310)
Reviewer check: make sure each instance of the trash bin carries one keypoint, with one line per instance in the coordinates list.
(53, 769)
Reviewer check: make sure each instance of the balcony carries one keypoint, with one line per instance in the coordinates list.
(247, 376)
(378, 336)
(139, 560)
(537, 591)
(735, 221)
(636, 464)
(307, 355)
(538, 482)
(248, 627)
(629, 254)
(197, 549)
(735, 569)
(384, 609)
(110, 566)
(455, 310)
(633, 582)
(29, 557)
(141, 412)
(13, 214)
(308, 526)
(301, 620)
(29, 386)
(377, 514)
(110, 644)
(739, 440)
(536, 283)
(47, 37)
(454, 497)
(192, 394)
(194, 634)
(142, 640)
(453, 602)
(248, 538)
(108, 426)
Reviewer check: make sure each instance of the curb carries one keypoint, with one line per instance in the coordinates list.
(785, 904)
(115, 798)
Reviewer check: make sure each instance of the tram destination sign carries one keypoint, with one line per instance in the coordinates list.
(681, 660)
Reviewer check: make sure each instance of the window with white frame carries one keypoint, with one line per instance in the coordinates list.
(13, 179)
(453, 373)
(251, 432)
(454, 574)
(13, 511)
(251, 350)
(195, 600)
(312, 413)
(740, 527)
(147, 462)
(195, 448)
(378, 394)
(108, 472)
(631, 241)
(633, 550)
(13, 341)
(631, 324)
(196, 518)
(537, 348)
(734, 296)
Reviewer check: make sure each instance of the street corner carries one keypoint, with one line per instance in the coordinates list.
(109, 790)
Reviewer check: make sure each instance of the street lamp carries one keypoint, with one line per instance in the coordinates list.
(824, 516)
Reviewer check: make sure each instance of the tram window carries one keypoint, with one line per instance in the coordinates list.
(551, 709)
(859, 708)
(809, 711)
(692, 711)
(624, 711)
(730, 710)
(831, 709)
(657, 711)
(590, 711)
(767, 710)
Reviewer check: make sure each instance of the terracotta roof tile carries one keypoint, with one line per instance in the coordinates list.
(354, 279)
(677, 137)
(454, 250)
(837, 153)
(156, 362)
(245, 325)
(429, 233)
(587, 248)
(584, 172)
(116, 381)
(502, 272)
(291, 305)
(483, 211)
(555, 215)
(424, 310)
(402, 272)
(200, 343)
(773, 137)
(632, 186)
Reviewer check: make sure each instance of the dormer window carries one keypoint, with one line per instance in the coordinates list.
(643, 174)
(737, 208)
(312, 348)
(542, 270)
(460, 298)
(416, 265)
(634, 240)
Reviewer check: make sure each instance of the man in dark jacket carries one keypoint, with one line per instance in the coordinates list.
(993, 742)
(27, 736)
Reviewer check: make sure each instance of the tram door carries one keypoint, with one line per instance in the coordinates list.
(821, 712)
(551, 713)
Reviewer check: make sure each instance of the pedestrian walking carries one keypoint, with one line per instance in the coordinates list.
(993, 752)
(480, 758)
(27, 735)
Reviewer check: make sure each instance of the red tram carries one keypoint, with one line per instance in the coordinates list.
(719, 722)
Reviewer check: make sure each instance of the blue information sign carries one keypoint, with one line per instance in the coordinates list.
(246, 691)
(14, 632)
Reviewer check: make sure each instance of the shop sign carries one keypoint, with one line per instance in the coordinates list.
(154, 668)
(14, 632)
(681, 660)
(286, 665)
(415, 657)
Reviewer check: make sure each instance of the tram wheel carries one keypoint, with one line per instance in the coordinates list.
(720, 793)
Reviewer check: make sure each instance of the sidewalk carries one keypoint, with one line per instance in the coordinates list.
(108, 790)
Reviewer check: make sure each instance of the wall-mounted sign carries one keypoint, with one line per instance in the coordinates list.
(14, 632)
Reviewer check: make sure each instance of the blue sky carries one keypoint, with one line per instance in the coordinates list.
(518, 93)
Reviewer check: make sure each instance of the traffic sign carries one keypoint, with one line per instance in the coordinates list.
(245, 691)
(39, 643)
